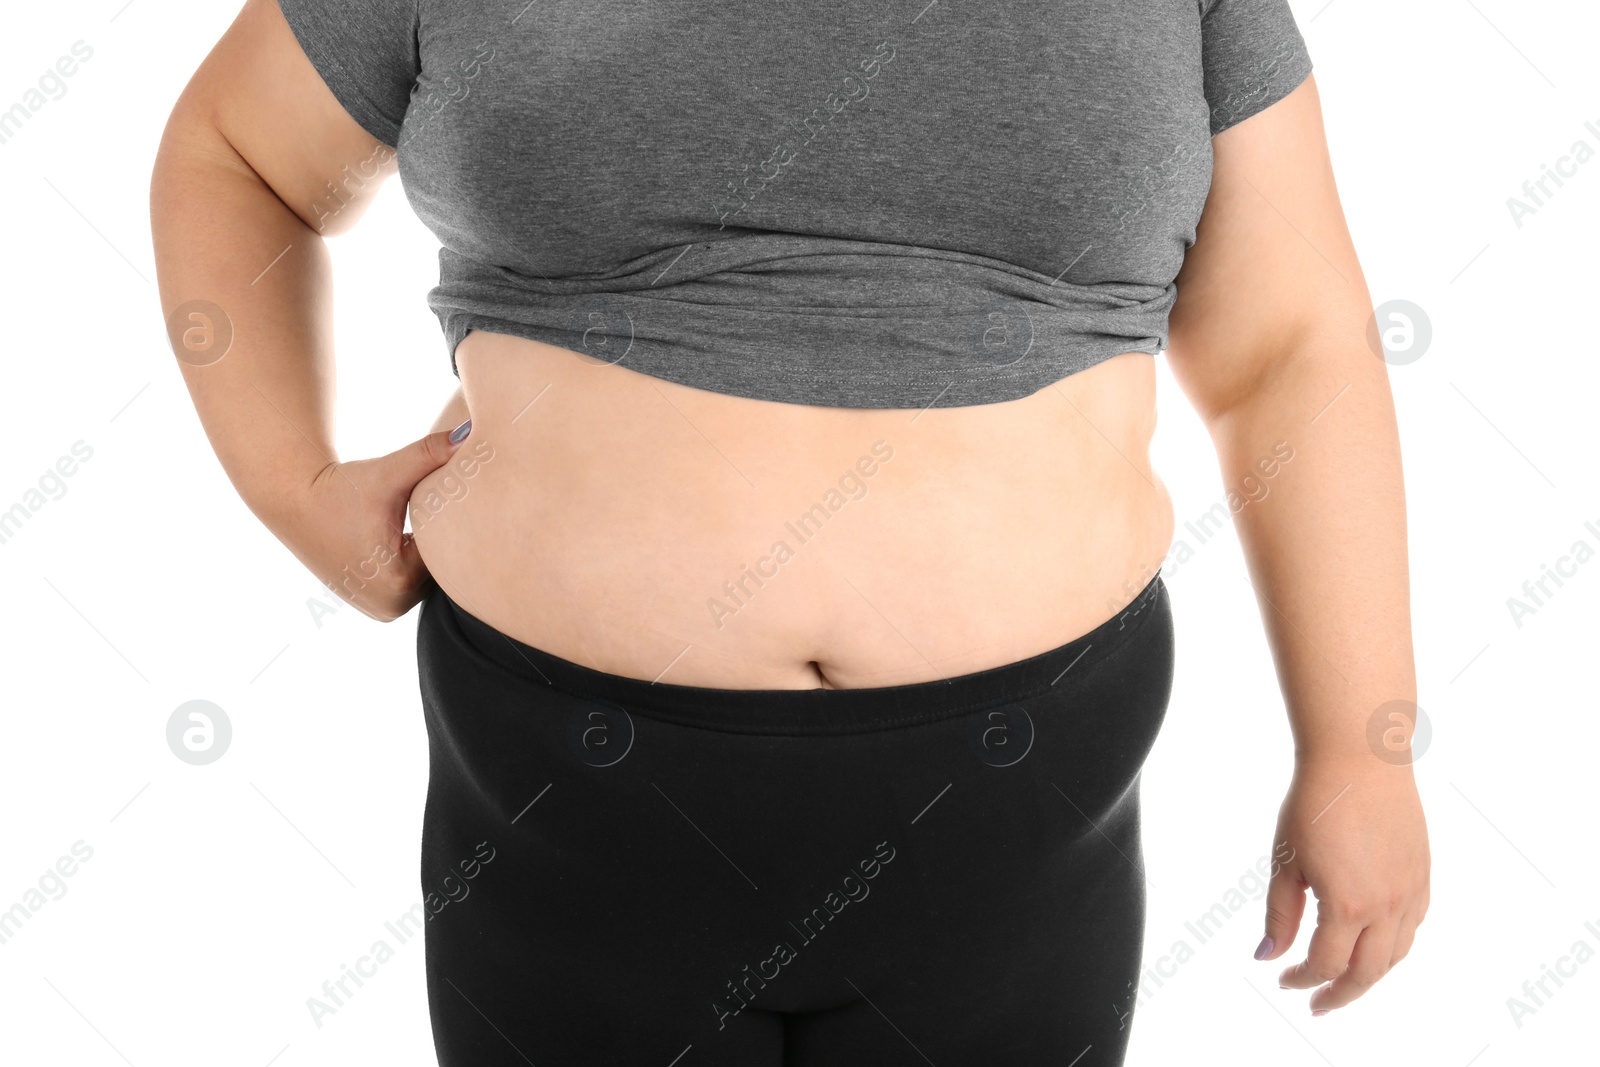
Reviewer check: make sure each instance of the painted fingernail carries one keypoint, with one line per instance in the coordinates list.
(459, 434)
(1264, 949)
(1319, 1011)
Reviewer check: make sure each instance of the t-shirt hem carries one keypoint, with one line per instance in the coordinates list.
(761, 382)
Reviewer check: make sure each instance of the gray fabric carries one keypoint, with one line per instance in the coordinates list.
(815, 202)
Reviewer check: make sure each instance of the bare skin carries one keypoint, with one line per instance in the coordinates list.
(594, 511)
(616, 506)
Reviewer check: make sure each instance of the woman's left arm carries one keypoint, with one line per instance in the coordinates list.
(1271, 340)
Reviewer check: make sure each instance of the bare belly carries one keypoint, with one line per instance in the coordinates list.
(651, 530)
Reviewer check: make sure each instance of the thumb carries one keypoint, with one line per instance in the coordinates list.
(1286, 903)
(401, 470)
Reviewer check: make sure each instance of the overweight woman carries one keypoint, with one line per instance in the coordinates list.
(792, 632)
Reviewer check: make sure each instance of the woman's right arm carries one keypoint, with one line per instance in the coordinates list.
(242, 195)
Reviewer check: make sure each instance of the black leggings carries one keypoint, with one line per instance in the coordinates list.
(947, 872)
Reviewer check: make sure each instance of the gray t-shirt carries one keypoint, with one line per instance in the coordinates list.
(812, 201)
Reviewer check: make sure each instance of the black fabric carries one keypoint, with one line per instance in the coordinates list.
(945, 871)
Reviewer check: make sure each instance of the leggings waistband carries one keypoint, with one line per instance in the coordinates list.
(808, 711)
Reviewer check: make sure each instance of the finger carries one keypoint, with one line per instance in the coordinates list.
(1326, 956)
(401, 470)
(1403, 938)
(1368, 963)
(410, 567)
(381, 584)
(1286, 903)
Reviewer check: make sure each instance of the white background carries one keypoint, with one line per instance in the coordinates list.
(219, 898)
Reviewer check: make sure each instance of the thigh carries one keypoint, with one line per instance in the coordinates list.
(552, 954)
(1015, 973)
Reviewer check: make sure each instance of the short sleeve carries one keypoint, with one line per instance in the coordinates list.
(366, 53)
(1253, 56)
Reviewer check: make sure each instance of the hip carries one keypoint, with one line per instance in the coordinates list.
(662, 845)
(512, 726)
